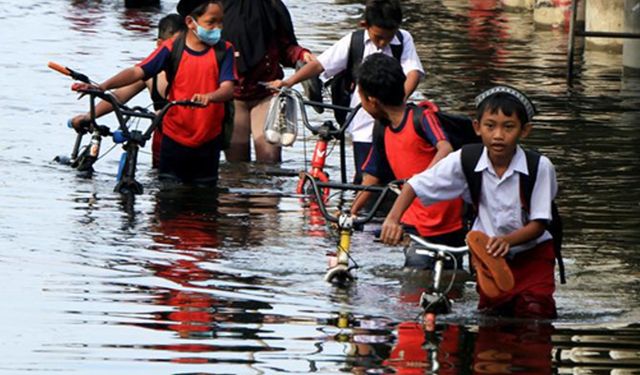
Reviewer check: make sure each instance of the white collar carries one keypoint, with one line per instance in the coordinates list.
(394, 41)
(518, 163)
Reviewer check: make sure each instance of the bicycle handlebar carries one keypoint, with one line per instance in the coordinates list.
(120, 110)
(383, 190)
(430, 247)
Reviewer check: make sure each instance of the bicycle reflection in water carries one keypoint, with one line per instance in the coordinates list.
(491, 347)
(186, 223)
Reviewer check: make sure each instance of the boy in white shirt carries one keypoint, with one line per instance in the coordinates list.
(516, 232)
(382, 34)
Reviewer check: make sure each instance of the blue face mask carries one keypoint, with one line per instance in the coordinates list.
(209, 37)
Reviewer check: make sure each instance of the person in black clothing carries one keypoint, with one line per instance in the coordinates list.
(262, 33)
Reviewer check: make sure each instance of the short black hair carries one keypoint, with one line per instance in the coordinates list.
(381, 77)
(386, 14)
(202, 8)
(505, 102)
(169, 25)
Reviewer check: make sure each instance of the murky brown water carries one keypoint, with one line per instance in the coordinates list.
(181, 281)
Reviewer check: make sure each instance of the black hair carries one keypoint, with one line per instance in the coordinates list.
(386, 14)
(505, 102)
(169, 25)
(381, 76)
(202, 8)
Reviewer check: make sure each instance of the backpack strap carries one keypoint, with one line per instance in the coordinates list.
(396, 49)
(356, 52)
(220, 50)
(354, 58)
(174, 60)
(424, 109)
(527, 182)
(470, 155)
(555, 226)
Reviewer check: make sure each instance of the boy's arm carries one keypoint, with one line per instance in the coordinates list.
(443, 148)
(222, 94)
(499, 246)
(311, 69)
(124, 78)
(363, 196)
(391, 229)
(411, 82)
(411, 64)
(122, 95)
(540, 214)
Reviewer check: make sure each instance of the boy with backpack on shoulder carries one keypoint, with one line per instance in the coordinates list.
(512, 191)
(380, 33)
(406, 141)
(200, 67)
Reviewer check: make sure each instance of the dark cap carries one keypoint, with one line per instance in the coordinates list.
(185, 7)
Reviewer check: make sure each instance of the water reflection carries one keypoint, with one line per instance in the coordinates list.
(187, 281)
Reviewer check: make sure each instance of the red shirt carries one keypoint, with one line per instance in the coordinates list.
(198, 72)
(405, 154)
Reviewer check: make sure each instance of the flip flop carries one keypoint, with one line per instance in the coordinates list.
(494, 274)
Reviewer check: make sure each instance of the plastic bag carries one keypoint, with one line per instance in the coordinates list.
(281, 124)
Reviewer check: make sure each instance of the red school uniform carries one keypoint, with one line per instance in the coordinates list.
(404, 153)
(198, 72)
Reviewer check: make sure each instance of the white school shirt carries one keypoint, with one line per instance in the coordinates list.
(500, 208)
(334, 60)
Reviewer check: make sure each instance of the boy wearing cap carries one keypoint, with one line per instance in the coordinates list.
(516, 233)
(192, 137)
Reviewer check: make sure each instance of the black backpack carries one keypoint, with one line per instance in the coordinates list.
(344, 83)
(470, 155)
(229, 108)
(458, 128)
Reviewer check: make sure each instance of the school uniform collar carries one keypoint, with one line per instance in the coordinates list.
(394, 41)
(518, 163)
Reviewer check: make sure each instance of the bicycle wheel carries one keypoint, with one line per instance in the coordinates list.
(126, 177)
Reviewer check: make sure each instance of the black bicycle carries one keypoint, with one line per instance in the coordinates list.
(83, 157)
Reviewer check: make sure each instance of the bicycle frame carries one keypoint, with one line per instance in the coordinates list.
(326, 133)
(340, 272)
(436, 302)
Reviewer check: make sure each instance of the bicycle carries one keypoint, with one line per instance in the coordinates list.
(339, 271)
(83, 157)
(437, 302)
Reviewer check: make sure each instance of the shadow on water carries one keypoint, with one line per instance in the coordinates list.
(192, 280)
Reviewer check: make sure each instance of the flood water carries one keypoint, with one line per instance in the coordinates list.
(182, 281)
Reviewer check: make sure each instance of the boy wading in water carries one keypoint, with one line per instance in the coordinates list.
(399, 152)
(517, 233)
(192, 137)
